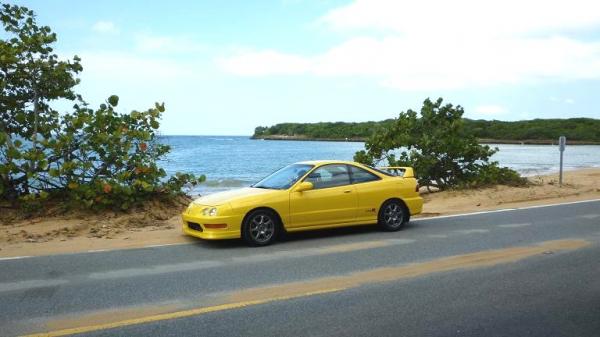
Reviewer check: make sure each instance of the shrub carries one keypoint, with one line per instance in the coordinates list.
(437, 145)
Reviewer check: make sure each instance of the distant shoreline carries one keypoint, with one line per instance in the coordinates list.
(482, 140)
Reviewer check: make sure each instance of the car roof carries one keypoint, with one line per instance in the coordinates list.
(323, 162)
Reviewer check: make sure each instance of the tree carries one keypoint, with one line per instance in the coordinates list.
(437, 145)
(31, 76)
(91, 158)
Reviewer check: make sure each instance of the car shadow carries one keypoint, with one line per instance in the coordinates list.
(311, 235)
(352, 231)
(328, 233)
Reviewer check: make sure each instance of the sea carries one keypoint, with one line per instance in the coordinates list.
(236, 161)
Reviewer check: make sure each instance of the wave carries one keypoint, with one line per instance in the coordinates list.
(224, 183)
(220, 139)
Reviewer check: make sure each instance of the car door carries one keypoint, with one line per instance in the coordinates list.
(333, 199)
(370, 191)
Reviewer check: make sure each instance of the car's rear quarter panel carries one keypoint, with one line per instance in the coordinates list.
(373, 194)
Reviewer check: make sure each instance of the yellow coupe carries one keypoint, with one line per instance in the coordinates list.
(305, 196)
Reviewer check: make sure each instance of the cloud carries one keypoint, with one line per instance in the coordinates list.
(490, 110)
(468, 17)
(129, 67)
(268, 62)
(105, 27)
(566, 100)
(415, 64)
(458, 44)
(167, 44)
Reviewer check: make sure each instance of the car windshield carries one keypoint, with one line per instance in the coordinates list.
(284, 178)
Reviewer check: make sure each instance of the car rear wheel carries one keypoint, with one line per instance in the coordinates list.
(260, 228)
(392, 215)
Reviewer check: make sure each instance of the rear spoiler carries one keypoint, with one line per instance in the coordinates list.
(399, 171)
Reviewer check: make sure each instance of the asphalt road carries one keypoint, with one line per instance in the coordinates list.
(525, 272)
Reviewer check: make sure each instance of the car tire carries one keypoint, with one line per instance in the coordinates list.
(260, 228)
(392, 215)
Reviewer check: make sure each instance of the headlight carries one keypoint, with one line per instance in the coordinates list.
(209, 211)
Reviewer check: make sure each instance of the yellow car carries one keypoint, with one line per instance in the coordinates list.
(304, 196)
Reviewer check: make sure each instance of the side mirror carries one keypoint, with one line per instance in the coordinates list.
(304, 186)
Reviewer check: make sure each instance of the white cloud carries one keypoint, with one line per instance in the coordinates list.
(490, 110)
(167, 44)
(468, 17)
(414, 64)
(445, 44)
(566, 100)
(105, 27)
(268, 62)
(129, 67)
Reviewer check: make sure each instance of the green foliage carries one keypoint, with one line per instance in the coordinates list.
(575, 129)
(336, 130)
(546, 130)
(437, 145)
(91, 158)
(96, 159)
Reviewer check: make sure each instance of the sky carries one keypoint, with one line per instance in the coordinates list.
(225, 67)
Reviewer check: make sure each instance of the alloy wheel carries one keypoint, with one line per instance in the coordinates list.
(393, 215)
(262, 228)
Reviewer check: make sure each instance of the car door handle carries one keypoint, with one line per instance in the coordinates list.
(348, 191)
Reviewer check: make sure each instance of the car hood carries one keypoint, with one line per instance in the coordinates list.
(221, 198)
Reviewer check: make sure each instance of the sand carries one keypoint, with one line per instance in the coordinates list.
(160, 225)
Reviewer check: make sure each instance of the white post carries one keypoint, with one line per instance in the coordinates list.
(562, 142)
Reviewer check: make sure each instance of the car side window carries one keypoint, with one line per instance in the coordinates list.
(361, 176)
(329, 176)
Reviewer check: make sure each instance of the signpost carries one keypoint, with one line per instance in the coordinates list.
(562, 142)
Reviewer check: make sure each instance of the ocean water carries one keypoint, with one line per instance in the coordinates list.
(236, 161)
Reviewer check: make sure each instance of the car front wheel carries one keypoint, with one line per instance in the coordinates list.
(392, 215)
(260, 228)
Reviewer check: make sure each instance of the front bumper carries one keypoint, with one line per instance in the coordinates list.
(231, 231)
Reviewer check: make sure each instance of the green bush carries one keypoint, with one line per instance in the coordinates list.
(437, 145)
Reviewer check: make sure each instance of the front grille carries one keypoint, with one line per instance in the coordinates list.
(194, 226)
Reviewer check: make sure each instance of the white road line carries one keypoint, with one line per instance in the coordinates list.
(277, 255)
(437, 236)
(504, 210)
(462, 214)
(13, 258)
(165, 245)
(589, 216)
(400, 241)
(97, 250)
(515, 225)
(29, 284)
(155, 270)
(471, 231)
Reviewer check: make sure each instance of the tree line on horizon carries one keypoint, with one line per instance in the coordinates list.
(575, 129)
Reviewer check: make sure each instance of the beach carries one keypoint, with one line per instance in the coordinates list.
(157, 224)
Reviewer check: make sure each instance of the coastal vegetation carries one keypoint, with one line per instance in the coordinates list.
(536, 131)
(437, 145)
(86, 158)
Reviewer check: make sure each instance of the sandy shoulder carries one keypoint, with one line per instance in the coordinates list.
(71, 234)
